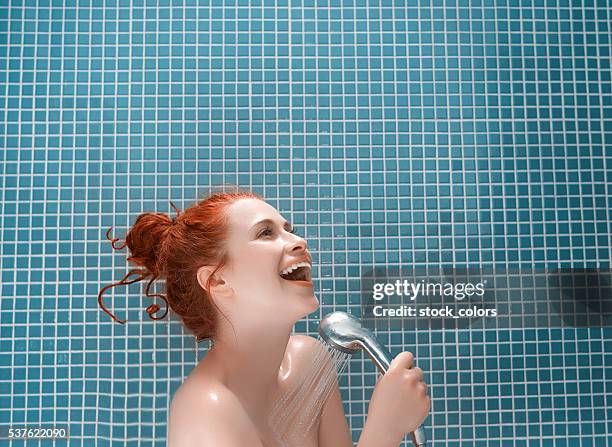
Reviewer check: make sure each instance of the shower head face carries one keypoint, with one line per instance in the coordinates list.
(345, 333)
(342, 331)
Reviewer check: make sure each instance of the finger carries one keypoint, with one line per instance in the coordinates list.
(423, 387)
(402, 360)
(417, 373)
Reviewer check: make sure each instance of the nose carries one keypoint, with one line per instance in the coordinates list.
(298, 244)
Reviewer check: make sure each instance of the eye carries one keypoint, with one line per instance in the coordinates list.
(266, 231)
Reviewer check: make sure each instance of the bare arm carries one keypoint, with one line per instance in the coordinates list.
(333, 428)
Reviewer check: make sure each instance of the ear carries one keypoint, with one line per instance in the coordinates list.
(219, 288)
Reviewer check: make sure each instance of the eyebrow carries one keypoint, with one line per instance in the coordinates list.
(270, 221)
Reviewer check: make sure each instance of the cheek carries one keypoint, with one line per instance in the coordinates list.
(257, 268)
(263, 276)
(257, 275)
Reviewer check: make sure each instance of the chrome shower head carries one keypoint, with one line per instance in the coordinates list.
(345, 333)
(341, 331)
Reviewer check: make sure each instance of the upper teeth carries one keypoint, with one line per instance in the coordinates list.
(293, 267)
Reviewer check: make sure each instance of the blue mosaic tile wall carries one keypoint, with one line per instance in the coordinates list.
(461, 133)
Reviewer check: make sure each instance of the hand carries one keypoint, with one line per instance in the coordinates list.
(399, 402)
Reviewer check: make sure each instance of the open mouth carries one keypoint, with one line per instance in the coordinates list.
(299, 274)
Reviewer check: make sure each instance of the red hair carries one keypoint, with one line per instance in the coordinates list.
(174, 249)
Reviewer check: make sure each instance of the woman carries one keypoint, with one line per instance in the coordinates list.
(225, 264)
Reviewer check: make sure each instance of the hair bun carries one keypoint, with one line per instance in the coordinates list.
(145, 238)
(144, 241)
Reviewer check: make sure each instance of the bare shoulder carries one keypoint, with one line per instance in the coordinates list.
(207, 413)
(300, 342)
(303, 350)
(198, 393)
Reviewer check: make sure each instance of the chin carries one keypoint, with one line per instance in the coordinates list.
(307, 306)
(316, 302)
(313, 304)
